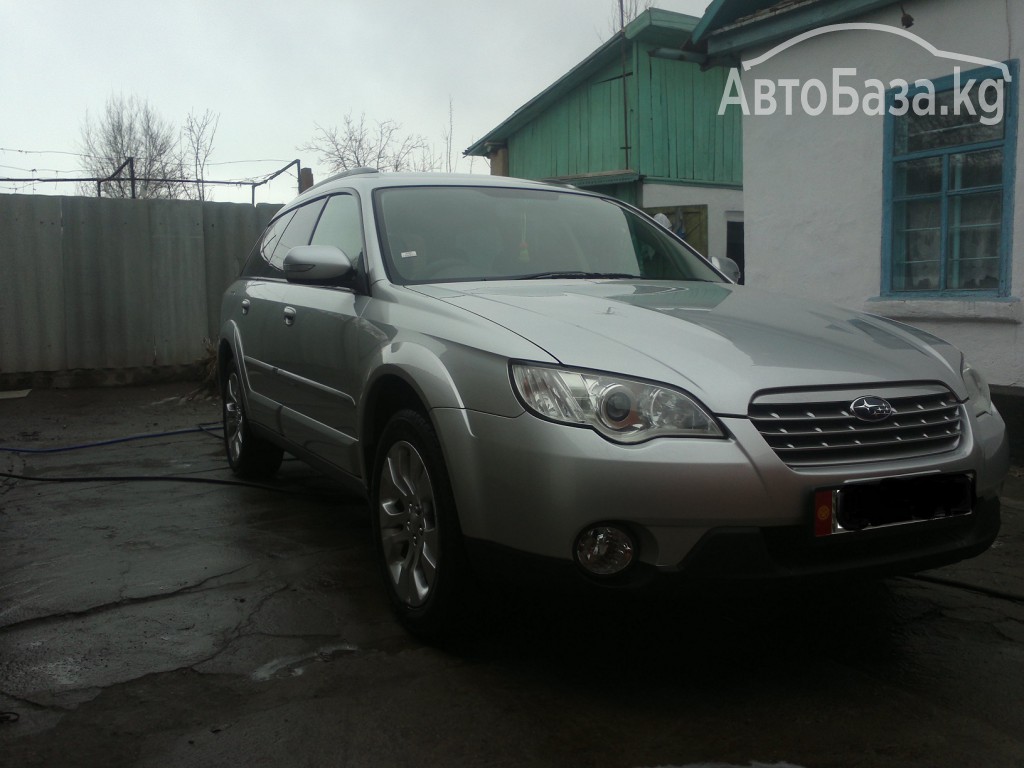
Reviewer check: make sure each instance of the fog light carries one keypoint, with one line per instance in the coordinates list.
(604, 550)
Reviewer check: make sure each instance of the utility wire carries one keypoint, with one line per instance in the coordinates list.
(140, 158)
(162, 479)
(204, 428)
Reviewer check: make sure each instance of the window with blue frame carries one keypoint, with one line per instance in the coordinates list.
(949, 174)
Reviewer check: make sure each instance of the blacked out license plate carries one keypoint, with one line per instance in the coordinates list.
(892, 501)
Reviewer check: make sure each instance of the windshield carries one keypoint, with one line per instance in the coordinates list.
(444, 234)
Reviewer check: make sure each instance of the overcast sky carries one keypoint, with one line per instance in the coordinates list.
(273, 70)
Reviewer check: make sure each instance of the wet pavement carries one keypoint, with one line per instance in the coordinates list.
(203, 622)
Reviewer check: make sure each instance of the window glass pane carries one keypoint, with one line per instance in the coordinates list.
(975, 231)
(340, 226)
(258, 264)
(942, 127)
(919, 177)
(273, 235)
(917, 242)
(298, 232)
(437, 234)
(976, 169)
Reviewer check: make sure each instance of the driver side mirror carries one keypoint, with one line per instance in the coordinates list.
(316, 264)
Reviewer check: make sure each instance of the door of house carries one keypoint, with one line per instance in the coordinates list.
(734, 246)
(689, 222)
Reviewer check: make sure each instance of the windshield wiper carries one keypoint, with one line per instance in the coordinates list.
(578, 275)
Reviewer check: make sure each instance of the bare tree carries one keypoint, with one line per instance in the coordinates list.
(132, 136)
(447, 136)
(357, 145)
(625, 11)
(446, 160)
(131, 128)
(427, 159)
(196, 147)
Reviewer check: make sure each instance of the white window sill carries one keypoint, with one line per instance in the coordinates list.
(959, 310)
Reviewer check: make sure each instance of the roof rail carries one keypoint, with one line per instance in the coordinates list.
(350, 172)
(356, 171)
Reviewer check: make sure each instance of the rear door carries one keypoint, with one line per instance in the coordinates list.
(251, 318)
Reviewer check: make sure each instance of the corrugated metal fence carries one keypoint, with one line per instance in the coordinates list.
(101, 284)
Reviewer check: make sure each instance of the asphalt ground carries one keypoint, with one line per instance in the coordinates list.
(156, 612)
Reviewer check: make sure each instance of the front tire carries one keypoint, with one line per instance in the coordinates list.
(415, 527)
(249, 456)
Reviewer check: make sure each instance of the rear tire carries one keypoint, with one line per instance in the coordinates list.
(249, 456)
(416, 529)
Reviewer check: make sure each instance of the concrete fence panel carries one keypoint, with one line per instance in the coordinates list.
(31, 284)
(106, 285)
(179, 280)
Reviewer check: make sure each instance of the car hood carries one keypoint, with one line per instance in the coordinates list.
(719, 341)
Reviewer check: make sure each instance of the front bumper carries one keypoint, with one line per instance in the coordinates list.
(701, 507)
(736, 554)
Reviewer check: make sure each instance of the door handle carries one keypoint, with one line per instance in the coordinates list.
(245, 306)
(289, 315)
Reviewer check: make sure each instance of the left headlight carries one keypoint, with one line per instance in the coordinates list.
(623, 410)
(977, 389)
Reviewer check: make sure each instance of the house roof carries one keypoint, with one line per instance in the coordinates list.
(721, 13)
(654, 26)
(731, 26)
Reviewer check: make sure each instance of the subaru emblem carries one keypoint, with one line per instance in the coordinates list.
(870, 408)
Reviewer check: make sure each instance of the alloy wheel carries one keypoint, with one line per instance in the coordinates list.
(234, 418)
(408, 524)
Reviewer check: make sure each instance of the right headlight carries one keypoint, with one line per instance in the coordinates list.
(977, 389)
(622, 409)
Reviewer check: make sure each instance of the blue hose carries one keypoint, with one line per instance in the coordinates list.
(198, 428)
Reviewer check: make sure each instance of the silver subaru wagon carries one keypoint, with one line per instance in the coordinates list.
(534, 377)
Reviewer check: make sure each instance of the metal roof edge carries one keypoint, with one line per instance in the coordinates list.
(724, 33)
(597, 178)
(708, 21)
(673, 182)
(657, 18)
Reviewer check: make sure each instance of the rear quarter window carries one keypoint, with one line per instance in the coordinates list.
(258, 263)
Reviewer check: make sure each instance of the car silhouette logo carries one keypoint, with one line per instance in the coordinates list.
(869, 408)
(977, 61)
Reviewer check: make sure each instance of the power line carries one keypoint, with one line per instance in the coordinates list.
(117, 177)
(240, 162)
(44, 152)
(141, 158)
(34, 170)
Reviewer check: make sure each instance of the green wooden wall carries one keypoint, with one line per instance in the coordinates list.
(679, 132)
(674, 130)
(580, 133)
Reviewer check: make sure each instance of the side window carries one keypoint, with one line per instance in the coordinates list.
(340, 226)
(297, 232)
(949, 164)
(258, 263)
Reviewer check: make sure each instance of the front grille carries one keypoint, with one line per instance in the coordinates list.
(819, 427)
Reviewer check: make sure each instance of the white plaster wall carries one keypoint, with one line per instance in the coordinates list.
(813, 186)
(721, 202)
